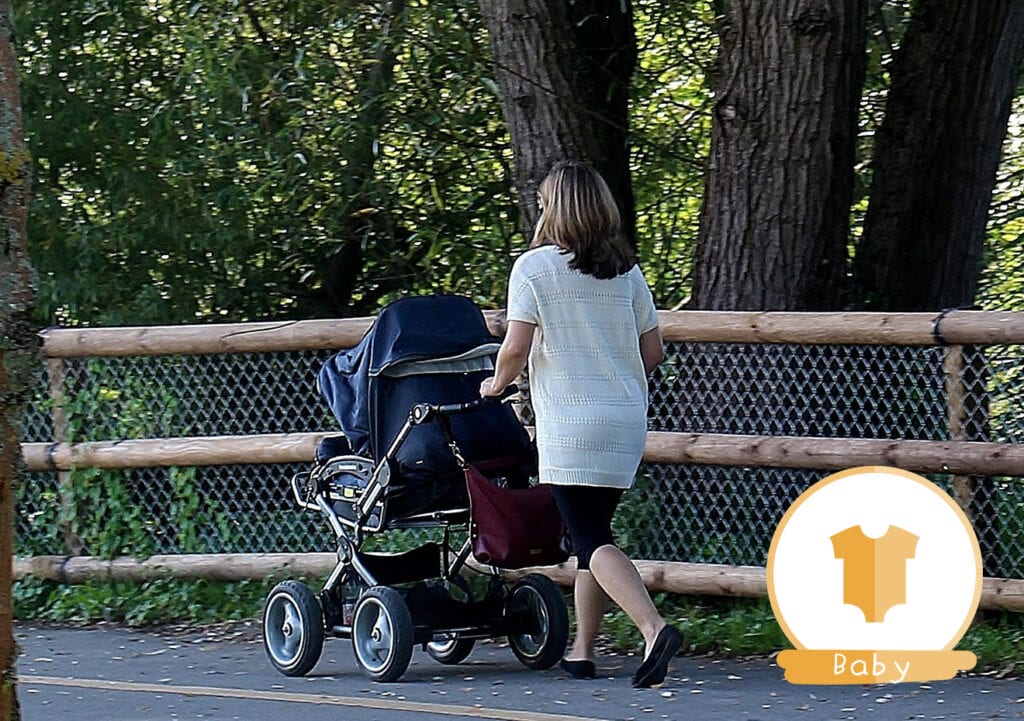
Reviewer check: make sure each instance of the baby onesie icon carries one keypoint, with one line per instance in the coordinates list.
(874, 569)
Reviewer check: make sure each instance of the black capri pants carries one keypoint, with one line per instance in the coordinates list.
(588, 512)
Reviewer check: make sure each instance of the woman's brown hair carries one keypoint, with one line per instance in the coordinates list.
(579, 215)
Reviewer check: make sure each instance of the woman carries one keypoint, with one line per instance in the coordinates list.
(581, 314)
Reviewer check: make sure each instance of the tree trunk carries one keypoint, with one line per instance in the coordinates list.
(775, 219)
(774, 222)
(563, 72)
(936, 158)
(17, 361)
(936, 155)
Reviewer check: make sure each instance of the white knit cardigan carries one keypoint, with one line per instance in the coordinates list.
(587, 380)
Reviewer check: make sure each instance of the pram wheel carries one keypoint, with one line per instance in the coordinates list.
(293, 628)
(382, 634)
(451, 650)
(539, 620)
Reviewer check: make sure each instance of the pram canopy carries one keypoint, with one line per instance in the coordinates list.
(426, 349)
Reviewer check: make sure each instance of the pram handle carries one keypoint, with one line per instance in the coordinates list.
(424, 412)
(511, 390)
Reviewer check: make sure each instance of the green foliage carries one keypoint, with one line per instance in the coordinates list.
(1002, 282)
(1009, 519)
(721, 626)
(186, 172)
(114, 525)
(729, 625)
(671, 134)
(159, 601)
(885, 25)
(997, 639)
(633, 524)
(112, 512)
(208, 160)
(219, 160)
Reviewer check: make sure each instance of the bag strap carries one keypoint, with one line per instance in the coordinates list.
(446, 430)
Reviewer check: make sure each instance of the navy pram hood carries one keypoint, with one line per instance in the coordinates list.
(409, 329)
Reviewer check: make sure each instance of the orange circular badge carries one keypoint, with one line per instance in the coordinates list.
(874, 575)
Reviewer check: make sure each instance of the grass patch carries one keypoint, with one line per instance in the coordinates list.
(747, 627)
(139, 604)
(997, 639)
(721, 626)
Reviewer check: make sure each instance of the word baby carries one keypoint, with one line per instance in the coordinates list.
(873, 667)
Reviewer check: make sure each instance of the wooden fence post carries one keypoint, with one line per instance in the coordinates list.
(956, 414)
(966, 378)
(57, 372)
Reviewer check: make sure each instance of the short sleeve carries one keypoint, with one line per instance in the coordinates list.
(522, 300)
(643, 304)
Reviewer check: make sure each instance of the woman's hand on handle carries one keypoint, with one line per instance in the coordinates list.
(488, 389)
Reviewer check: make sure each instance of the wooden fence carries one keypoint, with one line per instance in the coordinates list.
(957, 457)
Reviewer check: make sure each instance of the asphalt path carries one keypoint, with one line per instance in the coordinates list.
(102, 673)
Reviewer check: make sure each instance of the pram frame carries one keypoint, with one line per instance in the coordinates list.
(533, 603)
(370, 507)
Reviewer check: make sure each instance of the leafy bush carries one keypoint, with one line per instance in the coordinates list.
(153, 602)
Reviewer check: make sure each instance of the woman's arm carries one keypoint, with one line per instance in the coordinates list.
(652, 349)
(512, 357)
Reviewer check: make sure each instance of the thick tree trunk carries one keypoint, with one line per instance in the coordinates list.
(936, 155)
(17, 362)
(563, 71)
(774, 221)
(935, 162)
(774, 224)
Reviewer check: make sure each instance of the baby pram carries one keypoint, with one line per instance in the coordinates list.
(407, 399)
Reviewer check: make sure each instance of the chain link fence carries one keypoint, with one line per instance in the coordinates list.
(711, 514)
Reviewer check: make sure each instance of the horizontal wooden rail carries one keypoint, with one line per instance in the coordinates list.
(955, 328)
(212, 338)
(195, 339)
(672, 577)
(164, 452)
(955, 457)
(960, 327)
(210, 567)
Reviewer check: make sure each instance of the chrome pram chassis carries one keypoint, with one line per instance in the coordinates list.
(389, 603)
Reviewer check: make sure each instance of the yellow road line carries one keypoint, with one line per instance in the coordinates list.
(310, 698)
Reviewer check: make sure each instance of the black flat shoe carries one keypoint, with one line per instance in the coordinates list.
(655, 667)
(578, 669)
